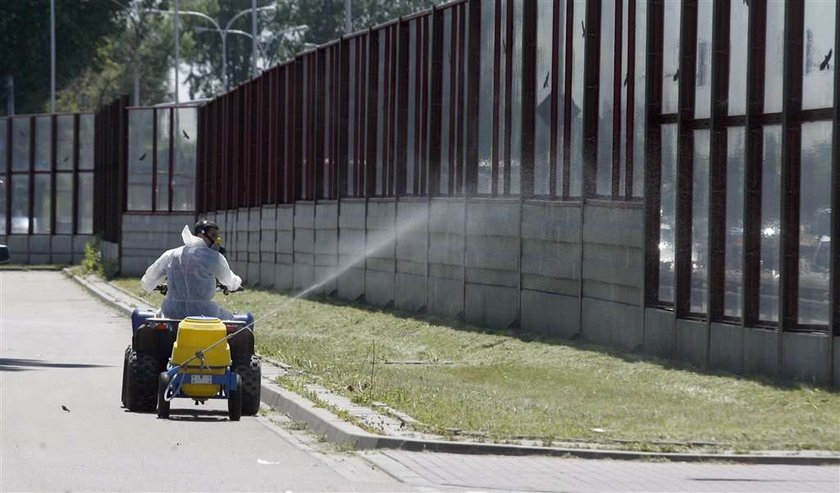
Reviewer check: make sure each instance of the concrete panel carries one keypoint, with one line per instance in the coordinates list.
(379, 288)
(412, 239)
(283, 276)
(491, 306)
(613, 264)
(446, 298)
(410, 293)
(806, 357)
(39, 249)
(565, 287)
(761, 352)
(352, 214)
(268, 243)
(611, 292)
(446, 216)
(326, 247)
(613, 324)
(554, 222)
(549, 314)
(39, 244)
(446, 249)
(381, 243)
(61, 249)
(491, 277)
(726, 350)
(18, 249)
(493, 217)
(351, 284)
(660, 332)
(303, 273)
(692, 342)
(614, 225)
(492, 252)
(551, 259)
(304, 215)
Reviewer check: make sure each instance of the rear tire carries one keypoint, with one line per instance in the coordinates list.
(162, 403)
(124, 391)
(251, 374)
(235, 401)
(143, 370)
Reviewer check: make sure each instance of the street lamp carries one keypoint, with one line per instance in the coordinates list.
(260, 47)
(222, 32)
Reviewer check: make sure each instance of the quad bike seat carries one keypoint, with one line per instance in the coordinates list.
(139, 318)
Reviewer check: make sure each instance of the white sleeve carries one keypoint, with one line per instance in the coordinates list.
(225, 275)
(156, 272)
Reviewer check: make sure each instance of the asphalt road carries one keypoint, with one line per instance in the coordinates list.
(60, 347)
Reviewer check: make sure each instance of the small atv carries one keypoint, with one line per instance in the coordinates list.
(164, 361)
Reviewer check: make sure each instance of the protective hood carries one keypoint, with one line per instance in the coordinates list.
(191, 240)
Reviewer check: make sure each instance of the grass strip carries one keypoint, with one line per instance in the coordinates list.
(466, 380)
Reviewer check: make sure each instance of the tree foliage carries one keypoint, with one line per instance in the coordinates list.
(290, 27)
(136, 60)
(80, 25)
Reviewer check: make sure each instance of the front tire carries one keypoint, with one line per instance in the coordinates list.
(235, 401)
(143, 369)
(251, 374)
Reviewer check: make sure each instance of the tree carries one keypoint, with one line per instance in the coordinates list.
(136, 60)
(280, 31)
(25, 45)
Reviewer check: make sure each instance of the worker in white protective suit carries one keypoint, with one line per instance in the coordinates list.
(192, 271)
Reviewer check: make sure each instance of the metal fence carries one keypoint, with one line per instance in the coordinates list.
(478, 98)
(46, 174)
(743, 171)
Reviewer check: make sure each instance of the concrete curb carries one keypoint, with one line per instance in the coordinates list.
(324, 423)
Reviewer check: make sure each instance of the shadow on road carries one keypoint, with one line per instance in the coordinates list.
(196, 415)
(16, 364)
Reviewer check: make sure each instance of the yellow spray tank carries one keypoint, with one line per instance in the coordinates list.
(196, 334)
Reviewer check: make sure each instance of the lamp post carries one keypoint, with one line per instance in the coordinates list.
(222, 32)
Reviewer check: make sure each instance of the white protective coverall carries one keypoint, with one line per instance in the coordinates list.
(191, 271)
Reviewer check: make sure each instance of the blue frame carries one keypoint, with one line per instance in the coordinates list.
(178, 379)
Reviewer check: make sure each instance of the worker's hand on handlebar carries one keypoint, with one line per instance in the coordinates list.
(224, 289)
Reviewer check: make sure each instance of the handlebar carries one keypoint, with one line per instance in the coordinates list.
(163, 289)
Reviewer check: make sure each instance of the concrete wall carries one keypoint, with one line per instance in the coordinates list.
(146, 236)
(46, 249)
(552, 268)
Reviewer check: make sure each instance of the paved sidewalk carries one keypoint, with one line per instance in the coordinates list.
(497, 473)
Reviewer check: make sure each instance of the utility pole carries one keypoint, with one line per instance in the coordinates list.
(348, 17)
(10, 95)
(253, 38)
(52, 56)
(177, 50)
